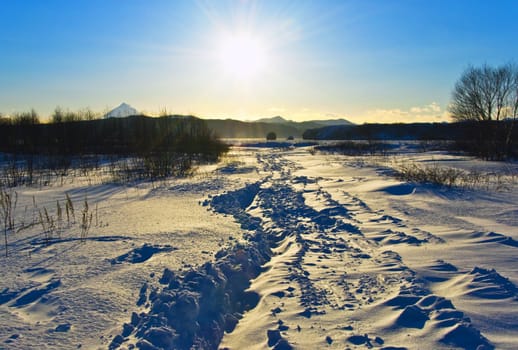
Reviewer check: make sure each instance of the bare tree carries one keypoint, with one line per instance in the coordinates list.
(485, 93)
(488, 96)
(26, 118)
(57, 116)
(514, 96)
(512, 106)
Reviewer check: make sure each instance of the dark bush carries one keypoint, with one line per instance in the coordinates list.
(271, 136)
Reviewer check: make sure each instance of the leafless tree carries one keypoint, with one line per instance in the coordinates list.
(489, 96)
(486, 93)
(26, 118)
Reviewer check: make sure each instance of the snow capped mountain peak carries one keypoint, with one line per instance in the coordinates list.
(124, 110)
(273, 120)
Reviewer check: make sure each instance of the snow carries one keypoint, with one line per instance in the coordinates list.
(271, 248)
(123, 110)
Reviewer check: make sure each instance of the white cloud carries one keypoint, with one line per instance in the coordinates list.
(431, 108)
(431, 112)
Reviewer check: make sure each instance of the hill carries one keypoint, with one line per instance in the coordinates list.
(230, 128)
(397, 131)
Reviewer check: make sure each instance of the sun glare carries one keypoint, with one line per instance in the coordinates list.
(242, 56)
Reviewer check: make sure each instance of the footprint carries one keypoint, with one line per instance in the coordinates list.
(142, 254)
(37, 293)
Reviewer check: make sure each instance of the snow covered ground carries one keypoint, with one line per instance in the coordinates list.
(272, 248)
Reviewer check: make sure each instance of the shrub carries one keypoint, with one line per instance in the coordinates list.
(451, 177)
(271, 136)
(436, 175)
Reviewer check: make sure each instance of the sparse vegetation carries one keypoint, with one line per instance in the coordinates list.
(52, 223)
(410, 171)
(86, 220)
(356, 148)
(372, 154)
(452, 177)
(47, 224)
(59, 218)
(8, 202)
(69, 209)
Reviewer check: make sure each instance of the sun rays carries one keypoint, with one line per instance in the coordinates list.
(242, 56)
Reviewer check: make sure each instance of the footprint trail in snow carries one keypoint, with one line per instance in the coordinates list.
(316, 268)
(333, 280)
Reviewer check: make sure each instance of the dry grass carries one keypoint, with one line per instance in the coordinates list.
(8, 202)
(454, 177)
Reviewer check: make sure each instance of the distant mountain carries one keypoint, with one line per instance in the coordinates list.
(330, 122)
(395, 131)
(273, 120)
(124, 110)
(229, 128)
(327, 122)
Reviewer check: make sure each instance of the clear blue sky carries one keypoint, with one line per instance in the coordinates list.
(364, 60)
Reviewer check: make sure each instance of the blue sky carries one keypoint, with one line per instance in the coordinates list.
(364, 60)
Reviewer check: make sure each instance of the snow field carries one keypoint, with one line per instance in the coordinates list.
(273, 249)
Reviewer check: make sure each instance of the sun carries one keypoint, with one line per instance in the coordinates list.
(242, 55)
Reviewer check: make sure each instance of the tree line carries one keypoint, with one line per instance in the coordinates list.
(134, 135)
(161, 146)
